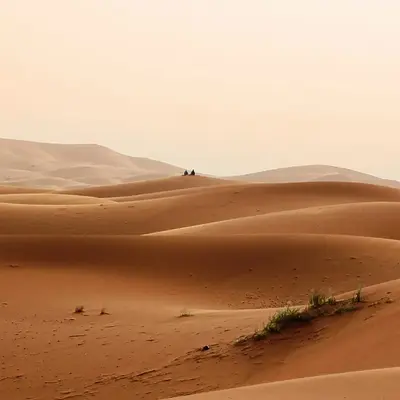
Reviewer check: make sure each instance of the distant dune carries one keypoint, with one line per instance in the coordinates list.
(76, 166)
(120, 278)
(47, 165)
(49, 199)
(211, 204)
(307, 173)
(6, 189)
(358, 219)
(147, 187)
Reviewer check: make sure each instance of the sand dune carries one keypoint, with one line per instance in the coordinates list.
(175, 192)
(58, 166)
(307, 173)
(363, 385)
(51, 165)
(147, 186)
(359, 219)
(143, 349)
(326, 347)
(239, 271)
(50, 199)
(215, 204)
(226, 253)
(16, 189)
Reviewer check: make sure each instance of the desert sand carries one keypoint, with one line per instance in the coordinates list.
(53, 166)
(30, 167)
(167, 266)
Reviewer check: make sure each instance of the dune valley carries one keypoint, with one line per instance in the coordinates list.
(141, 290)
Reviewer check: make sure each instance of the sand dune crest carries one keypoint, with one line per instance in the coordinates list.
(363, 385)
(163, 267)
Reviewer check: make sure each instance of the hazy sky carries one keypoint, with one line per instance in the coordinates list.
(224, 86)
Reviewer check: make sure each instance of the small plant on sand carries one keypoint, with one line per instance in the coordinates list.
(104, 311)
(357, 297)
(331, 300)
(316, 299)
(278, 321)
(79, 309)
(319, 306)
(185, 313)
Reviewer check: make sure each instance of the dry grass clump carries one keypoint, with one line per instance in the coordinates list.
(357, 297)
(79, 310)
(185, 313)
(319, 305)
(319, 299)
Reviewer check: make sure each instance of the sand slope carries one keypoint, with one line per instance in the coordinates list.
(4, 189)
(239, 271)
(364, 385)
(359, 219)
(306, 173)
(50, 199)
(217, 203)
(57, 166)
(143, 349)
(259, 247)
(62, 165)
(147, 186)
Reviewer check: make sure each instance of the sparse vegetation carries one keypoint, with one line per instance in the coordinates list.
(318, 299)
(319, 305)
(79, 309)
(357, 297)
(104, 311)
(185, 313)
(331, 300)
(279, 321)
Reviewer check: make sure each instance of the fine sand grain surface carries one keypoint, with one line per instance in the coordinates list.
(159, 269)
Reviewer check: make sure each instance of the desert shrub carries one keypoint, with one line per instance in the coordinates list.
(79, 309)
(279, 321)
(319, 306)
(357, 297)
(331, 300)
(316, 299)
(185, 313)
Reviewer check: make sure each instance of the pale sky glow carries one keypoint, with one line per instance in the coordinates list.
(224, 86)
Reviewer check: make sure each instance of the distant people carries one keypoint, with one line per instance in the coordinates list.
(193, 173)
(186, 173)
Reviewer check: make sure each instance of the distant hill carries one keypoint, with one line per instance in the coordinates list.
(310, 173)
(62, 166)
(48, 165)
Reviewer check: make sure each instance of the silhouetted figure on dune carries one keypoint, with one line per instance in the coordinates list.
(186, 173)
(193, 173)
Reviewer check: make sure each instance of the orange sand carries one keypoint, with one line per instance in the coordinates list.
(227, 252)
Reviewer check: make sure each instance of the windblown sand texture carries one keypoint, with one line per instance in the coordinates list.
(167, 266)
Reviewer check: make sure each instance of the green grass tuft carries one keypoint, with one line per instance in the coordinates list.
(280, 320)
(331, 301)
(316, 299)
(319, 306)
(358, 297)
